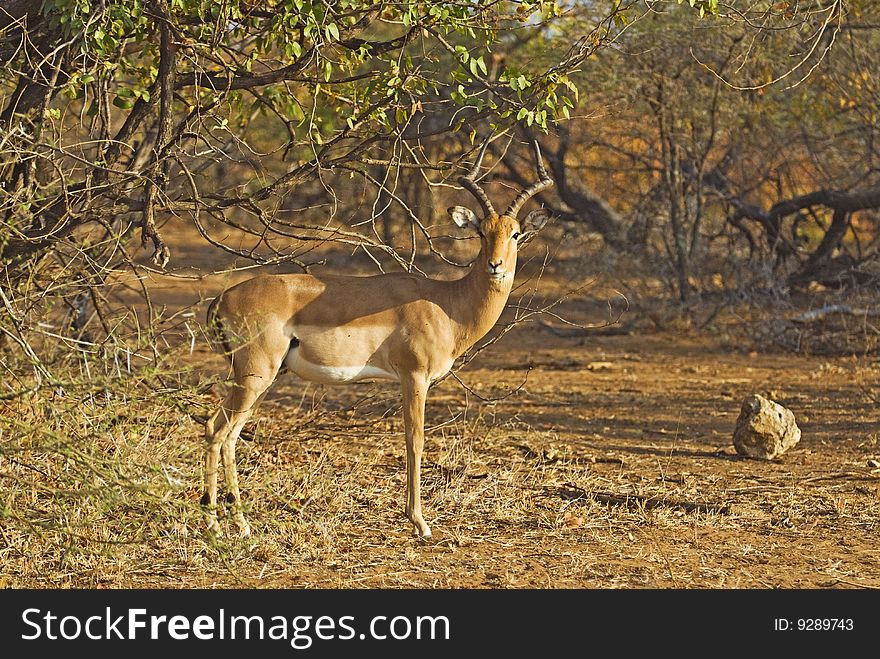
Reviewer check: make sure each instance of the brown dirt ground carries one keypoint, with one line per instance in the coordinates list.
(585, 472)
(511, 487)
(530, 491)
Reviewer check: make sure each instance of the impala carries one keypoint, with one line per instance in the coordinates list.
(339, 329)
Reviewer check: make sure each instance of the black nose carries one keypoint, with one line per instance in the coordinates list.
(495, 266)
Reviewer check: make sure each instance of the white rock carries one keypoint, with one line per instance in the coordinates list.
(764, 429)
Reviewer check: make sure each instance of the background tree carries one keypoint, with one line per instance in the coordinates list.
(255, 117)
(742, 145)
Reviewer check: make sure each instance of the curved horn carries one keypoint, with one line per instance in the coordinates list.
(543, 183)
(469, 182)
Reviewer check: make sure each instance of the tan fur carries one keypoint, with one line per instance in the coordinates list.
(410, 326)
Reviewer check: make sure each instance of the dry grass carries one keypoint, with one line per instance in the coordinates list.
(101, 484)
(100, 475)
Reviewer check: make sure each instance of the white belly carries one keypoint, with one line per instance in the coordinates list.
(324, 374)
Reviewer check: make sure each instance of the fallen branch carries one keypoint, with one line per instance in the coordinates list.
(639, 501)
(819, 314)
(586, 330)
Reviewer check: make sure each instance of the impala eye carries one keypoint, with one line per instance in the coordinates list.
(515, 235)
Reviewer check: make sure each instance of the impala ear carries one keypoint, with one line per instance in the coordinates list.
(535, 220)
(464, 217)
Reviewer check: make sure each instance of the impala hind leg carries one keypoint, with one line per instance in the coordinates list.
(227, 452)
(221, 432)
(415, 390)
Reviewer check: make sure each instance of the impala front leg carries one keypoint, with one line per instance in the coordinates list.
(415, 389)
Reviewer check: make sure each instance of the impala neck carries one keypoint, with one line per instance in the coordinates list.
(477, 302)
